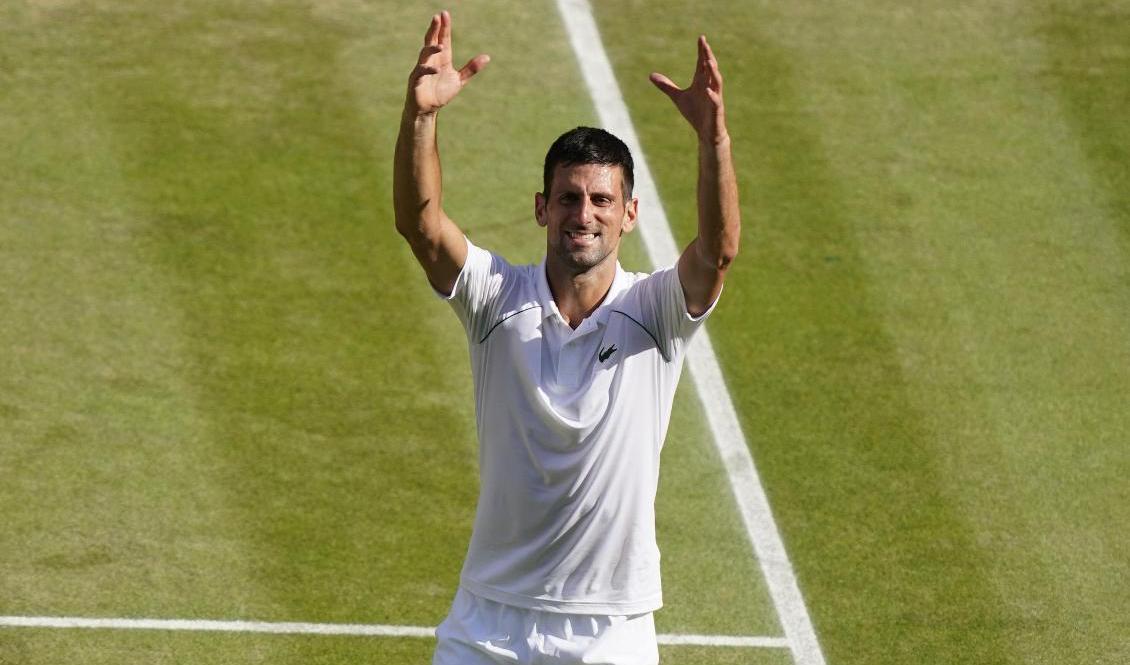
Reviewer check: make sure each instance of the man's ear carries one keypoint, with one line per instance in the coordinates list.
(630, 211)
(539, 209)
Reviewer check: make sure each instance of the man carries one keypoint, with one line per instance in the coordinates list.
(575, 365)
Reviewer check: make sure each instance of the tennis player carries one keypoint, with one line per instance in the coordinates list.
(575, 364)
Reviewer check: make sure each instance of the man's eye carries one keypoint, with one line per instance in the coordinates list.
(602, 201)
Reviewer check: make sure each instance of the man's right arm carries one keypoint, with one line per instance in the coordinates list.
(436, 241)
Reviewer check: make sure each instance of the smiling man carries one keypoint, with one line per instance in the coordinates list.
(575, 364)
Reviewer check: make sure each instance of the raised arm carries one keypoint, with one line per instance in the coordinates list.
(703, 264)
(417, 182)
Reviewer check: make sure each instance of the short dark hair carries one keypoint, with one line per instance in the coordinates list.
(588, 145)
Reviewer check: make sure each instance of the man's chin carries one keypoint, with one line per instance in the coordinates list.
(582, 261)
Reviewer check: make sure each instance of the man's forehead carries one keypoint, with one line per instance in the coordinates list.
(588, 175)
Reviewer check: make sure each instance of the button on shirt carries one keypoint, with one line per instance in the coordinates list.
(570, 427)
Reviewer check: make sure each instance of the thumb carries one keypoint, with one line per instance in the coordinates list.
(666, 85)
(473, 66)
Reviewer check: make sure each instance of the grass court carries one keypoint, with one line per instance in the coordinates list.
(226, 391)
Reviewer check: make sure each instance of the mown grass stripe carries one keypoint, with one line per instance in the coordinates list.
(966, 231)
(351, 629)
(1086, 57)
(857, 486)
(705, 371)
(264, 209)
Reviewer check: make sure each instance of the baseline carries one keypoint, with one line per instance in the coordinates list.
(301, 628)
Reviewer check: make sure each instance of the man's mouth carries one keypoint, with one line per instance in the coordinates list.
(581, 236)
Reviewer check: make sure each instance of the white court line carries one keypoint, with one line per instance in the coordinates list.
(282, 628)
(705, 371)
(724, 641)
(293, 628)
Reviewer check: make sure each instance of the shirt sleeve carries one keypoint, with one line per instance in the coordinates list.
(478, 289)
(665, 309)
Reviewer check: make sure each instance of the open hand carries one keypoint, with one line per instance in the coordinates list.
(435, 82)
(701, 102)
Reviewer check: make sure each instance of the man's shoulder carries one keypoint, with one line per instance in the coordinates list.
(636, 284)
(512, 284)
(499, 263)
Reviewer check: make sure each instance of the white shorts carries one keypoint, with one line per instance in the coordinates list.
(482, 632)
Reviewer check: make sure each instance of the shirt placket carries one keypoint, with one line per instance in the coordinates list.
(573, 360)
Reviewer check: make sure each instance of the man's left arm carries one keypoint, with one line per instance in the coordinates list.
(703, 264)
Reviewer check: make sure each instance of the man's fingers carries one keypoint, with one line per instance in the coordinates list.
(715, 77)
(665, 84)
(445, 28)
(712, 65)
(431, 37)
(703, 55)
(473, 66)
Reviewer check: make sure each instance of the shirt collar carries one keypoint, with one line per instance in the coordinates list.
(549, 306)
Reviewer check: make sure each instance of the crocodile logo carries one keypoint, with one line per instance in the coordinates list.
(606, 353)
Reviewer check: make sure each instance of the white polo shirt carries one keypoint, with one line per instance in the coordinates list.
(570, 426)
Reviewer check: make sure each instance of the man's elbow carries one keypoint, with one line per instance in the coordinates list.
(411, 218)
(726, 257)
(720, 256)
(407, 229)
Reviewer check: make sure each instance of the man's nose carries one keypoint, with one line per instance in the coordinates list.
(585, 211)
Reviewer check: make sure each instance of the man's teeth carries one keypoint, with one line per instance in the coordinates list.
(582, 236)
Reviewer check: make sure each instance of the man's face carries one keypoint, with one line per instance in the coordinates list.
(584, 214)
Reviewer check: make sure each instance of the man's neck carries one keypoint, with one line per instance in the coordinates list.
(577, 295)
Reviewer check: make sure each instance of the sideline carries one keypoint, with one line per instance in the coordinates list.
(703, 364)
(293, 628)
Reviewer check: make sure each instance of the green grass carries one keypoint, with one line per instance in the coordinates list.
(231, 392)
(930, 313)
(226, 391)
(35, 647)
